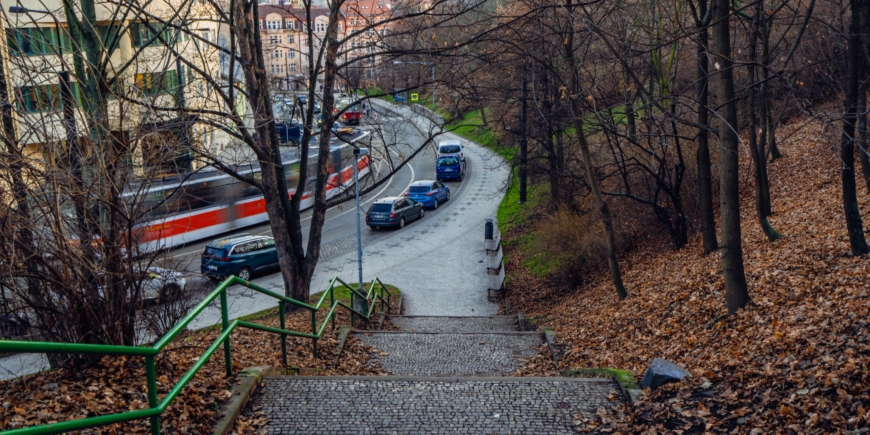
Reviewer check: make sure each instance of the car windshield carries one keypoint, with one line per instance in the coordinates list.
(449, 149)
(381, 208)
(448, 161)
(214, 252)
(419, 189)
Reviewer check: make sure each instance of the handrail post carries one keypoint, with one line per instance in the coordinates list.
(151, 376)
(225, 323)
(314, 330)
(332, 302)
(283, 337)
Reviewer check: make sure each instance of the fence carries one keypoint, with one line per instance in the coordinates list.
(494, 263)
(155, 407)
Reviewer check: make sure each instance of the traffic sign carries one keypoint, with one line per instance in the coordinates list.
(413, 96)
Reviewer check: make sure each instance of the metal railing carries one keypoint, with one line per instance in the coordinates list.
(157, 407)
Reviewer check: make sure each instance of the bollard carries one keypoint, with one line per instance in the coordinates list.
(488, 232)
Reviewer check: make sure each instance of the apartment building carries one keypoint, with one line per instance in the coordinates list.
(368, 21)
(284, 34)
(159, 61)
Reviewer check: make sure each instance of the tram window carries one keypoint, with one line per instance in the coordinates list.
(291, 173)
(248, 190)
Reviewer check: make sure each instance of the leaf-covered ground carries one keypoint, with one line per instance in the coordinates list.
(794, 361)
(118, 384)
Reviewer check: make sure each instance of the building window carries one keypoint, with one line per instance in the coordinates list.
(157, 83)
(142, 36)
(291, 54)
(291, 24)
(274, 40)
(41, 98)
(292, 67)
(290, 39)
(34, 41)
(321, 27)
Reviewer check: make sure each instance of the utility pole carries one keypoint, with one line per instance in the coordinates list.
(523, 140)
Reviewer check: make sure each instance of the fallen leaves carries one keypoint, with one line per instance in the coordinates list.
(795, 360)
(117, 384)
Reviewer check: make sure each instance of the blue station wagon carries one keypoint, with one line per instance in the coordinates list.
(241, 255)
(429, 193)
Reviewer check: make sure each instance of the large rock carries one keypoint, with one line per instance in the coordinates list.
(661, 372)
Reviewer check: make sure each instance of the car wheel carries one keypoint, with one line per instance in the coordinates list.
(402, 222)
(448, 196)
(244, 273)
(435, 204)
(422, 212)
(170, 292)
(372, 227)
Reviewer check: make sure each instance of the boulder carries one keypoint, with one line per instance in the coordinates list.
(661, 372)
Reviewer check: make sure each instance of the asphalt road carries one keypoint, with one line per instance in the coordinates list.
(401, 140)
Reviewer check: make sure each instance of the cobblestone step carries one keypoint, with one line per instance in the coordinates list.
(399, 405)
(451, 354)
(455, 324)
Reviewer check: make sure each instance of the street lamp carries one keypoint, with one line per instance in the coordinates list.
(359, 304)
(432, 64)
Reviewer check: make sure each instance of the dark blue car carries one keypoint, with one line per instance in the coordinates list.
(449, 168)
(429, 193)
(241, 255)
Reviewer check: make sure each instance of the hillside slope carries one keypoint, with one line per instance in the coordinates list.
(794, 361)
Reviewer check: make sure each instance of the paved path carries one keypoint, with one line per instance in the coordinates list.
(451, 354)
(397, 405)
(455, 324)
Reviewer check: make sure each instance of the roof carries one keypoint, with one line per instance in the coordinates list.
(289, 12)
(232, 240)
(389, 200)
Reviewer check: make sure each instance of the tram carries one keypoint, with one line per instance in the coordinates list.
(208, 204)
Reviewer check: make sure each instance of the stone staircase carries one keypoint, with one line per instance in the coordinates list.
(449, 375)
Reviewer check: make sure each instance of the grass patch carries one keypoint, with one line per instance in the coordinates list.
(624, 377)
(341, 293)
(374, 90)
(470, 126)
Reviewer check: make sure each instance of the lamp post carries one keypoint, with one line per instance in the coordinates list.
(432, 64)
(359, 302)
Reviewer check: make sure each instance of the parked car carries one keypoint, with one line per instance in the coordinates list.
(393, 211)
(241, 255)
(451, 147)
(429, 193)
(302, 99)
(316, 107)
(448, 168)
(159, 283)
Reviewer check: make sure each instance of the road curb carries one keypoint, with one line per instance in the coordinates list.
(248, 379)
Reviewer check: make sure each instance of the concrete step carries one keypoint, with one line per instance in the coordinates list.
(455, 324)
(401, 405)
(451, 354)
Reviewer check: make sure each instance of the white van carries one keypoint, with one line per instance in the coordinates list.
(451, 148)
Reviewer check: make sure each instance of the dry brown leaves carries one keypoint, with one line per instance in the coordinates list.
(794, 361)
(118, 383)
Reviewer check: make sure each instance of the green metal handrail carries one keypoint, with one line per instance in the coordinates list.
(157, 407)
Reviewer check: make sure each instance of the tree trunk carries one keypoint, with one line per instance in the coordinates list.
(705, 176)
(731, 250)
(756, 146)
(606, 219)
(854, 224)
(861, 149)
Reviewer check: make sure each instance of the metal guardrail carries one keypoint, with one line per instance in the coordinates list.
(494, 263)
(157, 407)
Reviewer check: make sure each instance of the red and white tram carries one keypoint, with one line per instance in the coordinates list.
(209, 204)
